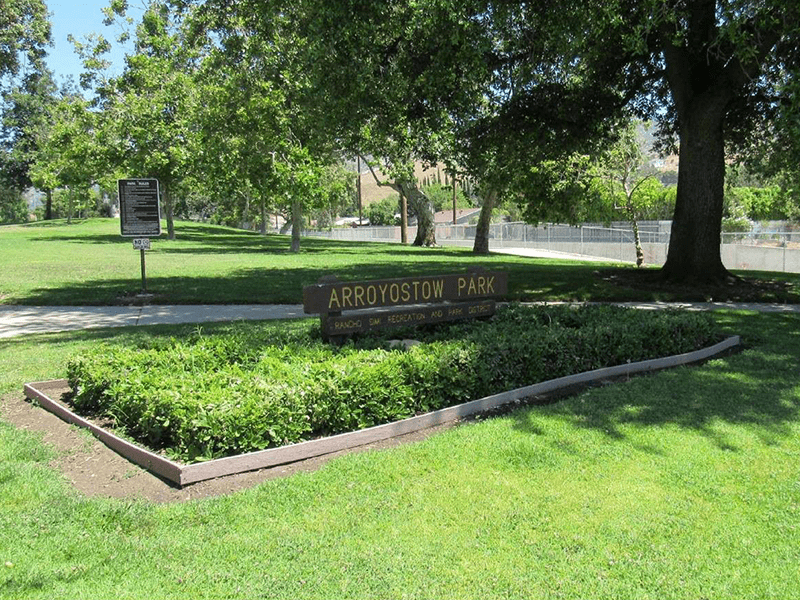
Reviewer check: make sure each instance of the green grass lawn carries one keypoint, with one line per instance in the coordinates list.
(683, 484)
(88, 263)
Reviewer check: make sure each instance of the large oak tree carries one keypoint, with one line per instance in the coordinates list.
(25, 123)
(723, 65)
(712, 72)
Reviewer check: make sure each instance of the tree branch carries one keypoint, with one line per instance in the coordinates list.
(378, 181)
(677, 68)
(740, 72)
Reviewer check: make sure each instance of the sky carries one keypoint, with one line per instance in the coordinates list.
(79, 18)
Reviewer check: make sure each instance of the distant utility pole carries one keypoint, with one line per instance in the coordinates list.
(455, 212)
(404, 218)
(358, 188)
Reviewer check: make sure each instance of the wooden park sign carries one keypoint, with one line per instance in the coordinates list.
(429, 299)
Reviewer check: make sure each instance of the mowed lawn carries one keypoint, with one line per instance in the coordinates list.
(682, 484)
(89, 263)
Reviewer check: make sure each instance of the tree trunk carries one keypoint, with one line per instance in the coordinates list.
(403, 218)
(263, 207)
(409, 192)
(297, 220)
(635, 225)
(245, 211)
(694, 246)
(169, 209)
(48, 207)
(481, 245)
(426, 226)
(455, 199)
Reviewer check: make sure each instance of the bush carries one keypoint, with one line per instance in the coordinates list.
(13, 208)
(441, 197)
(757, 204)
(383, 212)
(205, 397)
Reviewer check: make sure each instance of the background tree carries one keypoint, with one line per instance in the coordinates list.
(24, 35)
(150, 110)
(624, 168)
(384, 85)
(13, 208)
(449, 83)
(383, 212)
(772, 155)
(336, 194)
(239, 127)
(67, 150)
(401, 178)
(25, 122)
(266, 114)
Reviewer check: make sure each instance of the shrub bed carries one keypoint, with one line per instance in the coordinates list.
(260, 386)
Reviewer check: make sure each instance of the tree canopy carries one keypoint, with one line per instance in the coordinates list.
(24, 34)
(260, 97)
(711, 72)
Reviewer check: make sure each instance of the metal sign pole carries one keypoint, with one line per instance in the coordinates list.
(144, 277)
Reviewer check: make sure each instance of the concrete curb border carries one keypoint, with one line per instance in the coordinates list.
(186, 474)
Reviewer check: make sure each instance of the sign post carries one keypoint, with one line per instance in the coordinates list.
(142, 244)
(139, 215)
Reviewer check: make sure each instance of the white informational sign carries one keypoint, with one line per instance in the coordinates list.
(141, 243)
(139, 208)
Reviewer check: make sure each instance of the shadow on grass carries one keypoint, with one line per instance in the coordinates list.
(84, 239)
(528, 281)
(212, 239)
(758, 388)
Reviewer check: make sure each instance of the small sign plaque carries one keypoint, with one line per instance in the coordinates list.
(421, 315)
(141, 243)
(139, 209)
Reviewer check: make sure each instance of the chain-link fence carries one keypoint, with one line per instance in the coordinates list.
(763, 250)
(772, 239)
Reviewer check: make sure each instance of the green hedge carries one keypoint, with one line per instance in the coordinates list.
(257, 387)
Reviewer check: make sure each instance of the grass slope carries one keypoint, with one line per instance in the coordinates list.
(88, 263)
(684, 484)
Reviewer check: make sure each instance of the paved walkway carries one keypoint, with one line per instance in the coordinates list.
(23, 320)
(542, 253)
